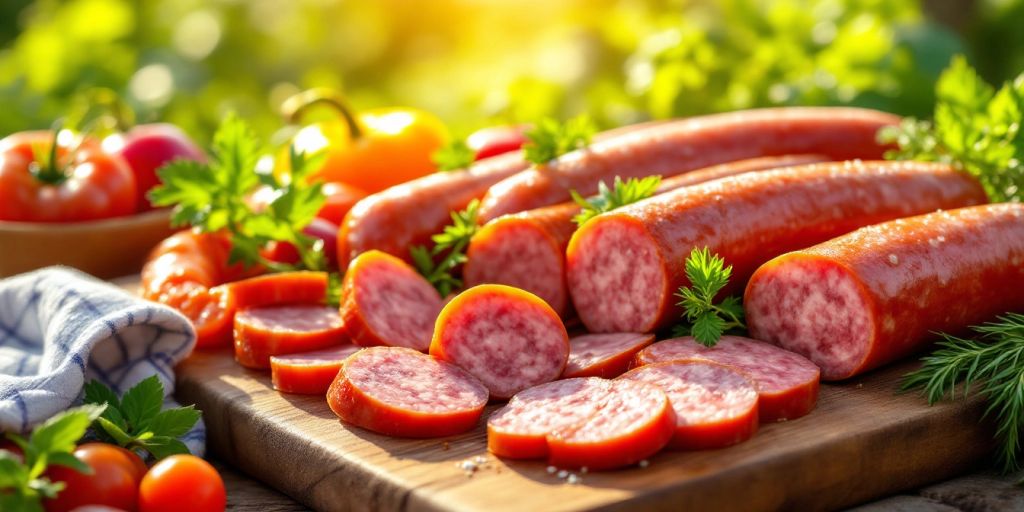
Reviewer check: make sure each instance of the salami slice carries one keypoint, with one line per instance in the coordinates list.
(865, 299)
(400, 392)
(603, 355)
(301, 287)
(585, 422)
(385, 302)
(715, 405)
(787, 382)
(276, 330)
(508, 338)
(309, 373)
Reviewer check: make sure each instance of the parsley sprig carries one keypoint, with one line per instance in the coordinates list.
(212, 197)
(451, 242)
(703, 319)
(453, 156)
(22, 483)
(138, 421)
(976, 128)
(550, 139)
(994, 362)
(620, 194)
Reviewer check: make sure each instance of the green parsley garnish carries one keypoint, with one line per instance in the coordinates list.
(705, 320)
(976, 129)
(453, 156)
(138, 421)
(452, 243)
(620, 194)
(212, 197)
(22, 484)
(550, 139)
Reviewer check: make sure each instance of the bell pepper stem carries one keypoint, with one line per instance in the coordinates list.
(295, 108)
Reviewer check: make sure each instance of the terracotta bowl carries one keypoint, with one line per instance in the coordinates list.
(104, 248)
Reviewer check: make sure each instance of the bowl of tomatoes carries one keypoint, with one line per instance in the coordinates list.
(78, 200)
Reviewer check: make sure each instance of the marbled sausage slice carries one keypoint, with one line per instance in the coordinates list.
(715, 405)
(401, 392)
(508, 338)
(787, 382)
(275, 330)
(603, 355)
(877, 294)
(386, 302)
(309, 373)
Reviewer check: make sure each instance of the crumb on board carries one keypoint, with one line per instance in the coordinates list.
(446, 446)
(644, 463)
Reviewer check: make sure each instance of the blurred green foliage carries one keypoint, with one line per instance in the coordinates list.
(477, 62)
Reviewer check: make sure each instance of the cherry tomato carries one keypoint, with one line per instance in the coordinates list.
(284, 252)
(495, 140)
(114, 481)
(146, 148)
(41, 182)
(380, 148)
(181, 479)
(340, 199)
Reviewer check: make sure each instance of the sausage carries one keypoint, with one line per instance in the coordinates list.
(603, 355)
(385, 302)
(787, 382)
(879, 293)
(300, 287)
(262, 332)
(309, 373)
(506, 337)
(408, 214)
(624, 266)
(715, 405)
(677, 147)
(527, 249)
(585, 422)
(398, 391)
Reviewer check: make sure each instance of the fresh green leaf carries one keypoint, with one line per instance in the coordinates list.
(161, 447)
(451, 243)
(97, 393)
(550, 139)
(68, 460)
(620, 194)
(120, 437)
(705, 320)
(142, 402)
(61, 432)
(453, 156)
(174, 422)
(12, 471)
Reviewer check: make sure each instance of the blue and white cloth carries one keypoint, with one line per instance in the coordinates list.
(60, 328)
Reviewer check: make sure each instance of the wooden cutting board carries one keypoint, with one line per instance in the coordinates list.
(862, 442)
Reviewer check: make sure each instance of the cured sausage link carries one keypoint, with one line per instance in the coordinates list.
(527, 249)
(870, 297)
(681, 146)
(624, 266)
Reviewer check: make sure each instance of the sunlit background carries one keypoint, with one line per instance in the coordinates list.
(477, 62)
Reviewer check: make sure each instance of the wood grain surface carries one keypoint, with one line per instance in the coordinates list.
(864, 441)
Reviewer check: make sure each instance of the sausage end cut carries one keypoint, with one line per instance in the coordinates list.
(275, 330)
(604, 355)
(308, 373)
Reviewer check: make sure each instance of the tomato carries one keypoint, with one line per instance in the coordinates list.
(340, 199)
(495, 140)
(181, 479)
(114, 482)
(146, 148)
(380, 147)
(66, 182)
(284, 252)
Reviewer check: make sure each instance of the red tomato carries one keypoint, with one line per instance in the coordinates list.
(82, 184)
(340, 199)
(146, 148)
(181, 479)
(284, 252)
(114, 481)
(495, 140)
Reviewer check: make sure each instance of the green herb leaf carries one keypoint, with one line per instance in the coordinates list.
(162, 446)
(453, 156)
(61, 432)
(619, 195)
(550, 139)
(142, 402)
(705, 320)
(69, 460)
(120, 437)
(174, 422)
(96, 393)
(451, 243)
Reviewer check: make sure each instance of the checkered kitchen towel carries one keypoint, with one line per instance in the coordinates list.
(60, 328)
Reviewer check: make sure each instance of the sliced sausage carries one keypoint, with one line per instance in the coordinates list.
(624, 266)
(879, 293)
(587, 422)
(787, 382)
(275, 330)
(527, 249)
(385, 302)
(301, 287)
(603, 355)
(398, 391)
(715, 405)
(681, 146)
(309, 373)
(506, 337)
